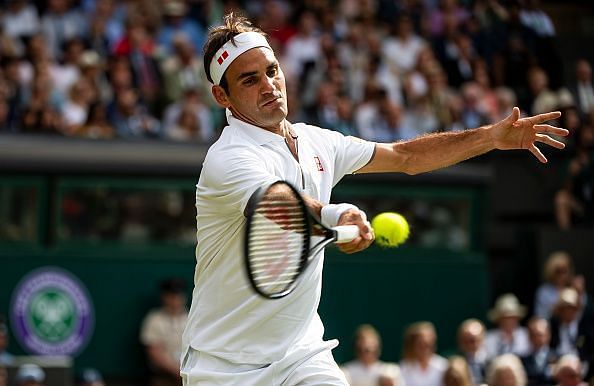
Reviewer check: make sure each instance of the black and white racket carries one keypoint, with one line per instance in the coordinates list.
(277, 239)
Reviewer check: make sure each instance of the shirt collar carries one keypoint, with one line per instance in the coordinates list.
(258, 134)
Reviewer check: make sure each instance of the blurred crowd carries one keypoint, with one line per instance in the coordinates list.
(555, 348)
(382, 70)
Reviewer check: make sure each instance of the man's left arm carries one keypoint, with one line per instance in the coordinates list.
(435, 151)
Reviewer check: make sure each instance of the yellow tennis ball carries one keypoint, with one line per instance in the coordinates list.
(391, 229)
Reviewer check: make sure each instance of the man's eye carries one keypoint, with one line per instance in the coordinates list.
(272, 72)
(249, 81)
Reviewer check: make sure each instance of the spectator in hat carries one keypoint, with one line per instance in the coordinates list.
(539, 362)
(568, 371)
(572, 327)
(508, 336)
(161, 333)
(471, 344)
(367, 369)
(90, 377)
(177, 22)
(30, 375)
(6, 358)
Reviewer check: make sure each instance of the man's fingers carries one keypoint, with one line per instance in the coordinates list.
(549, 141)
(514, 116)
(551, 130)
(537, 153)
(540, 118)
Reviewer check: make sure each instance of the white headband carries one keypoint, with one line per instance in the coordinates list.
(232, 49)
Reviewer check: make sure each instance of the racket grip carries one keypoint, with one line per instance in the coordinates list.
(346, 233)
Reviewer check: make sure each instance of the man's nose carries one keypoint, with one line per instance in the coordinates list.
(267, 84)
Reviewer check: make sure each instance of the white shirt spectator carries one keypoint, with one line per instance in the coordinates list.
(360, 375)
(23, 22)
(414, 375)
(495, 345)
(401, 55)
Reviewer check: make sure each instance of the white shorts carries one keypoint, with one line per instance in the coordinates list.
(301, 367)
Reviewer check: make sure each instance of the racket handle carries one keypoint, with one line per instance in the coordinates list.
(346, 233)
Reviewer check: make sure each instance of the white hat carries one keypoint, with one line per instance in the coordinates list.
(568, 297)
(30, 372)
(506, 305)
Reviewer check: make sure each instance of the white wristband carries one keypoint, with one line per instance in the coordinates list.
(331, 213)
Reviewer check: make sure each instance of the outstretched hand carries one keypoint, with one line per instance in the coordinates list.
(522, 133)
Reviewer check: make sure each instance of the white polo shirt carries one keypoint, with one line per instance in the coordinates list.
(227, 318)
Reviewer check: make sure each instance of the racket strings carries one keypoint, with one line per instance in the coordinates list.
(276, 243)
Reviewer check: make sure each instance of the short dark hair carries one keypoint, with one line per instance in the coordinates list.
(173, 285)
(232, 26)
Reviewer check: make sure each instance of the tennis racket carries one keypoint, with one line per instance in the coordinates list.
(277, 239)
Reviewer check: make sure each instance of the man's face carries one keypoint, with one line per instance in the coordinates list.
(257, 92)
(540, 335)
(367, 349)
(470, 341)
(568, 376)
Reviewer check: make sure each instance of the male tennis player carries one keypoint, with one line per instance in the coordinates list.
(234, 336)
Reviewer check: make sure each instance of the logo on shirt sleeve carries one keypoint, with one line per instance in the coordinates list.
(318, 163)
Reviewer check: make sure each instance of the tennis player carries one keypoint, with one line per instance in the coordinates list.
(234, 336)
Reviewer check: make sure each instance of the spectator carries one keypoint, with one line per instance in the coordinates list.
(303, 49)
(97, 126)
(574, 202)
(583, 88)
(66, 72)
(401, 50)
(6, 358)
(539, 362)
(30, 375)
(506, 100)
(474, 114)
(161, 333)
(557, 275)
(471, 338)
(183, 71)
(458, 373)
(60, 23)
(131, 118)
(176, 23)
(90, 377)
(420, 365)
(447, 9)
(568, 371)
(366, 369)
(138, 45)
(541, 97)
(571, 325)
(19, 19)
(506, 370)
(508, 336)
(389, 127)
(76, 109)
(191, 102)
(92, 69)
(186, 128)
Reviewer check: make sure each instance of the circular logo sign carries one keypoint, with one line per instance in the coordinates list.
(51, 312)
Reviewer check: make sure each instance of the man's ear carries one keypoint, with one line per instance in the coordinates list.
(220, 96)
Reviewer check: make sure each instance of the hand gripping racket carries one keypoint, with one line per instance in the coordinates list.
(277, 239)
